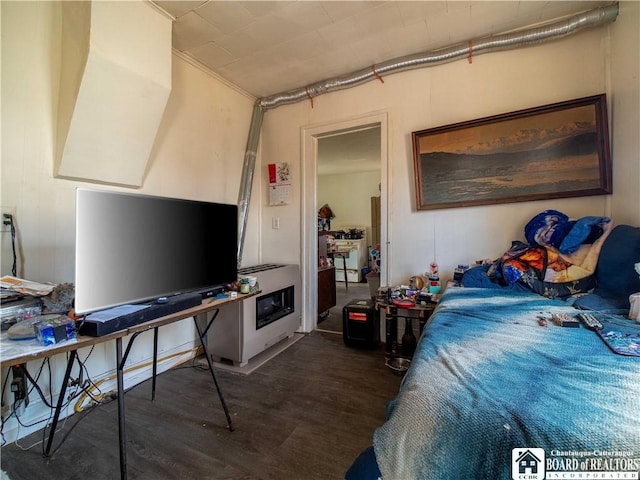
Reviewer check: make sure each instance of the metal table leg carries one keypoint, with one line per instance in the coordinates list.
(391, 327)
(202, 334)
(155, 363)
(122, 433)
(344, 267)
(63, 391)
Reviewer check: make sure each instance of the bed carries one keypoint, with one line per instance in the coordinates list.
(498, 390)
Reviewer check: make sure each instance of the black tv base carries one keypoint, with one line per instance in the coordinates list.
(153, 311)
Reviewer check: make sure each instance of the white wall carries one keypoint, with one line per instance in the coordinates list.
(625, 107)
(587, 63)
(349, 196)
(198, 154)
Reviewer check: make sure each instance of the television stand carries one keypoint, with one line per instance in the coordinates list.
(22, 355)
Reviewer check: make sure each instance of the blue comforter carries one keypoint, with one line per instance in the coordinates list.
(487, 383)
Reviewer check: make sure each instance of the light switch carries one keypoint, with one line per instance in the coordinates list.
(275, 223)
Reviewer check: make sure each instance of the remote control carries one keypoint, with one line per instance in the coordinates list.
(565, 320)
(590, 321)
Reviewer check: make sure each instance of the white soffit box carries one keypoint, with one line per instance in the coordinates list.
(114, 85)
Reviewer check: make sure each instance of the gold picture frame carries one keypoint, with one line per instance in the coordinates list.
(553, 151)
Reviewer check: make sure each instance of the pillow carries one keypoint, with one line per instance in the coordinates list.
(591, 301)
(477, 277)
(616, 277)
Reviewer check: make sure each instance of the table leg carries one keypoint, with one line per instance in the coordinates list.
(155, 363)
(346, 279)
(63, 391)
(391, 322)
(422, 322)
(201, 334)
(122, 434)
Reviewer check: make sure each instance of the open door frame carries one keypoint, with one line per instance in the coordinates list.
(309, 259)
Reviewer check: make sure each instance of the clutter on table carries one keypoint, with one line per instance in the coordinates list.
(404, 296)
(421, 290)
(25, 287)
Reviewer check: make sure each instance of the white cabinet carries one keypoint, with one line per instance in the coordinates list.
(356, 260)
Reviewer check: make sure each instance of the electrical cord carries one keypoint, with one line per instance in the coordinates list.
(98, 400)
(87, 384)
(8, 220)
(80, 386)
(101, 396)
(4, 419)
(84, 389)
(48, 403)
(84, 414)
(34, 383)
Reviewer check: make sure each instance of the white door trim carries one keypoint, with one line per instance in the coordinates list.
(309, 238)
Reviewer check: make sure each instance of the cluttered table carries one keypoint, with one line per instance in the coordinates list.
(19, 352)
(22, 351)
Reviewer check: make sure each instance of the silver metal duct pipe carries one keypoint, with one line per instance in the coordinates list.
(468, 49)
(551, 31)
(244, 195)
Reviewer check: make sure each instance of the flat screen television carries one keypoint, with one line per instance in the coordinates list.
(133, 248)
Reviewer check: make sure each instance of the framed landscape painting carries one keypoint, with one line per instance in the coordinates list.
(554, 151)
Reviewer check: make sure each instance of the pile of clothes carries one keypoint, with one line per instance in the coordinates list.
(559, 258)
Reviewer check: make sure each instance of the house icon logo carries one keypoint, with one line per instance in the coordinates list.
(527, 464)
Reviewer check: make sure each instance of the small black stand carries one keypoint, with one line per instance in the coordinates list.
(408, 339)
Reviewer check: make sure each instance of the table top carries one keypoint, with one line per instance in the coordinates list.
(383, 303)
(14, 352)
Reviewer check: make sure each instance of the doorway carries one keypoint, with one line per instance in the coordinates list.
(314, 139)
(348, 182)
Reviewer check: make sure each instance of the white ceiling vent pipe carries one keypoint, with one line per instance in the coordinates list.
(550, 31)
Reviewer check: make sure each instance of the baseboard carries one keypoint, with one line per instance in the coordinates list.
(327, 331)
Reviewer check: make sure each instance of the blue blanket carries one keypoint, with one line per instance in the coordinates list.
(487, 378)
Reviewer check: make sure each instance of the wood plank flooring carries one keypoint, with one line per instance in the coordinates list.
(304, 415)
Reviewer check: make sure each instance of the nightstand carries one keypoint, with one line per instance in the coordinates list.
(409, 313)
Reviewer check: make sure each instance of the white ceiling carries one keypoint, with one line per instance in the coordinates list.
(355, 151)
(268, 47)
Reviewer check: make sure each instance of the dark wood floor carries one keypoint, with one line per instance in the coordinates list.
(306, 414)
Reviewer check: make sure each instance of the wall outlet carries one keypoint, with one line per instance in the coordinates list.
(19, 389)
(5, 226)
(275, 223)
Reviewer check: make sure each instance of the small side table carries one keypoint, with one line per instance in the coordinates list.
(393, 312)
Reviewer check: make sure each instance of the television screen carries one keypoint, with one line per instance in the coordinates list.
(133, 248)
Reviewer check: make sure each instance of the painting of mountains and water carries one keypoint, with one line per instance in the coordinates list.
(559, 150)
